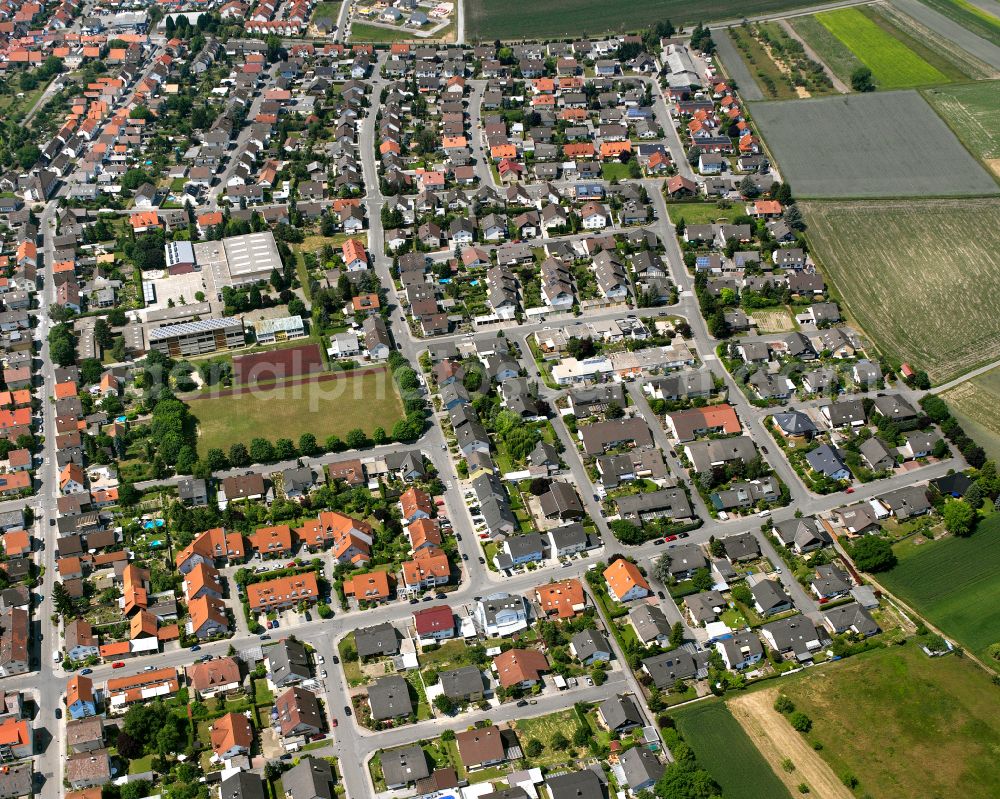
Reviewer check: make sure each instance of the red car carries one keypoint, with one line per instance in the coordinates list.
(118, 665)
(849, 490)
(290, 564)
(670, 538)
(333, 721)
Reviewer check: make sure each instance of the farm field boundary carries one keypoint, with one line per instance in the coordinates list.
(969, 16)
(936, 719)
(913, 279)
(776, 741)
(857, 146)
(724, 750)
(972, 111)
(955, 583)
(975, 403)
(487, 20)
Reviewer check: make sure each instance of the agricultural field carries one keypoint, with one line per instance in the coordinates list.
(904, 724)
(880, 46)
(320, 406)
(778, 62)
(841, 61)
(974, 403)
(724, 750)
(735, 65)
(972, 110)
(865, 145)
(970, 16)
(525, 19)
(767, 73)
(955, 583)
(913, 278)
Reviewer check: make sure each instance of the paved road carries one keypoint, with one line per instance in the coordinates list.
(967, 376)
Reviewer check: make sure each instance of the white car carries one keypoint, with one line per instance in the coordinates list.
(322, 674)
(320, 659)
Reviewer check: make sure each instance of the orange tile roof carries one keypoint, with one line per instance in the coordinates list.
(622, 576)
(142, 624)
(272, 540)
(426, 564)
(414, 500)
(288, 590)
(353, 250)
(212, 544)
(613, 149)
(115, 649)
(144, 219)
(201, 576)
(503, 151)
(16, 542)
(207, 608)
(424, 532)
(65, 390)
(519, 665)
(583, 149)
(563, 599)
(230, 731)
(79, 688)
(374, 585)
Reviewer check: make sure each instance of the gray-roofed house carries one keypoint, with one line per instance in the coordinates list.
(382, 640)
(685, 560)
(404, 766)
(641, 768)
(583, 784)
(830, 582)
(242, 785)
(464, 684)
(705, 607)
(906, 502)
(288, 663)
(312, 778)
(826, 460)
(741, 650)
(678, 664)
(769, 598)
(705, 455)
(879, 456)
(802, 535)
(795, 424)
(650, 625)
(845, 413)
(389, 698)
(590, 646)
(795, 636)
(619, 714)
(666, 502)
(561, 502)
(850, 618)
(741, 546)
(567, 540)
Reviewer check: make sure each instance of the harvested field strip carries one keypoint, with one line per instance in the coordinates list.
(777, 741)
(736, 67)
(914, 44)
(972, 111)
(893, 64)
(975, 403)
(932, 42)
(724, 750)
(969, 16)
(945, 579)
(766, 72)
(838, 58)
(911, 275)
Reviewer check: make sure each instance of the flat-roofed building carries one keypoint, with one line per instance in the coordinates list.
(197, 338)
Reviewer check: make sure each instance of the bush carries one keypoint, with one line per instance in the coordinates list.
(849, 780)
(533, 748)
(784, 705)
(800, 721)
(448, 735)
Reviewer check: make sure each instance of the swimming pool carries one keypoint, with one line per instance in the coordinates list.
(152, 524)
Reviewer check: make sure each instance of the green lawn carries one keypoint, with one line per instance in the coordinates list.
(727, 753)
(373, 33)
(893, 64)
(841, 61)
(333, 407)
(701, 213)
(904, 724)
(614, 170)
(544, 728)
(955, 582)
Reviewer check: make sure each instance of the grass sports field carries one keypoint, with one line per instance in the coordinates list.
(915, 280)
(955, 583)
(970, 16)
(527, 19)
(727, 753)
(974, 403)
(904, 724)
(331, 407)
(973, 112)
(867, 145)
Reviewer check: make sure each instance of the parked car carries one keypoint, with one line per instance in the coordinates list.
(87, 671)
(333, 721)
(347, 710)
(118, 665)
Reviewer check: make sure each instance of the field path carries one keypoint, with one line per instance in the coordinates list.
(838, 84)
(964, 38)
(776, 740)
(967, 376)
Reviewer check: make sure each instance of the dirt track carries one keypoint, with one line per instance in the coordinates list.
(777, 740)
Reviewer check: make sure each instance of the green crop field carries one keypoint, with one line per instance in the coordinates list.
(955, 583)
(893, 64)
(834, 53)
(904, 724)
(332, 407)
(970, 16)
(526, 19)
(974, 403)
(972, 110)
(724, 750)
(882, 144)
(913, 278)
